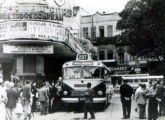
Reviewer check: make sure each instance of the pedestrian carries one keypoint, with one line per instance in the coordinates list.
(34, 97)
(152, 103)
(26, 95)
(88, 106)
(48, 87)
(53, 97)
(3, 99)
(141, 100)
(12, 95)
(19, 109)
(137, 90)
(126, 92)
(160, 90)
(43, 99)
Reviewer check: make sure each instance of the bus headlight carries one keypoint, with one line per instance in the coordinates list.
(100, 92)
(65, 93)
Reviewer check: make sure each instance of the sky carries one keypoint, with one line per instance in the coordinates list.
(109, 6)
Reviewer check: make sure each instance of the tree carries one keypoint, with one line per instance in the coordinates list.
(143, 23)
(88, 46)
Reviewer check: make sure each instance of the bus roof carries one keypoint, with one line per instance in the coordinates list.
(130, 75)
(143, 77)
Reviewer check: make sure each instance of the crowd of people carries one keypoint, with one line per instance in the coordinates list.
(152, 95)
(20, 102)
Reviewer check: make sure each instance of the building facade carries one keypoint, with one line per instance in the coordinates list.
(100, 28)
(34, 41)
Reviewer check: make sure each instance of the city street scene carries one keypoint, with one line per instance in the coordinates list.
(82, 59)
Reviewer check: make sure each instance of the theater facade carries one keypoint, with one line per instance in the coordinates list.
(34, 42)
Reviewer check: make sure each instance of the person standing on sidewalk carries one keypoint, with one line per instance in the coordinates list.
(12, 96)
(126, 92)
(88, 107)
(43, 99)
(34, 91)
(141, 101)
(26, 94)
(160, 90)
(152, 103)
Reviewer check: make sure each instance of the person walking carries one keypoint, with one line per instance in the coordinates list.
(152, 103)
(43, 99)
(141, 101)
(3, 99)
(26, 95)
(88, 107)
(126, 92)
(12, 95)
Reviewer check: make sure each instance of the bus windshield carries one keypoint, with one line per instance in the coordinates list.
(72, 73)
(90, 72)
(86, 72)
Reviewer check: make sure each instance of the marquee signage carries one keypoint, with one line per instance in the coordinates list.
(27, 49)
(34, 12)
(33, 30)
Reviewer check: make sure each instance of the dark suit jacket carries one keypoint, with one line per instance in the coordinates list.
(160, 90)
(126, 91)
(26, 91)
(42, 94)
(12, 95)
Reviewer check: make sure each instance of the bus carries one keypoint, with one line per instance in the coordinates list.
(117, 79)
(134, 81)
(76, 75)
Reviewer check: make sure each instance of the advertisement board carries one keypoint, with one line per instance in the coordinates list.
(27, 49)
(33, 30)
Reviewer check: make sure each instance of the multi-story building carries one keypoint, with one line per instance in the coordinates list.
(100, 28)
(34, 41)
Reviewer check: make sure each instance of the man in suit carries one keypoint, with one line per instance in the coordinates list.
(126, 92)
(12, 96)
(43, 99)
(88, 102)
(26, 94)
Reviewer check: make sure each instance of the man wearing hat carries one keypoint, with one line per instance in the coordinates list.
(126, 92)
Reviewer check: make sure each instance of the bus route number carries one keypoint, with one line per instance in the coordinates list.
(82, 57)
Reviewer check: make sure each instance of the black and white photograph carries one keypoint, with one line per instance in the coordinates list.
(82, 59)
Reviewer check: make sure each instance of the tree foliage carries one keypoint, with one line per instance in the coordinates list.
(143, 24)
(88, 46)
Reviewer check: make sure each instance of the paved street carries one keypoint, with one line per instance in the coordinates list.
(112, 112)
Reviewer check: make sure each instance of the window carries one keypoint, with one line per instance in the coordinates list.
(93, 32)
(101, 55)
(110, 54)
(72, 73)
(110, 30)
(85, 32)
(101, 31)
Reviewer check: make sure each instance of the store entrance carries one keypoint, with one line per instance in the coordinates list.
(53, 69)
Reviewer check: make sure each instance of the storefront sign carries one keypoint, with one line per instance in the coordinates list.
(33, 30)
(27, 49)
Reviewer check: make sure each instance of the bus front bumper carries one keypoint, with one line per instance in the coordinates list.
(77, 100)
